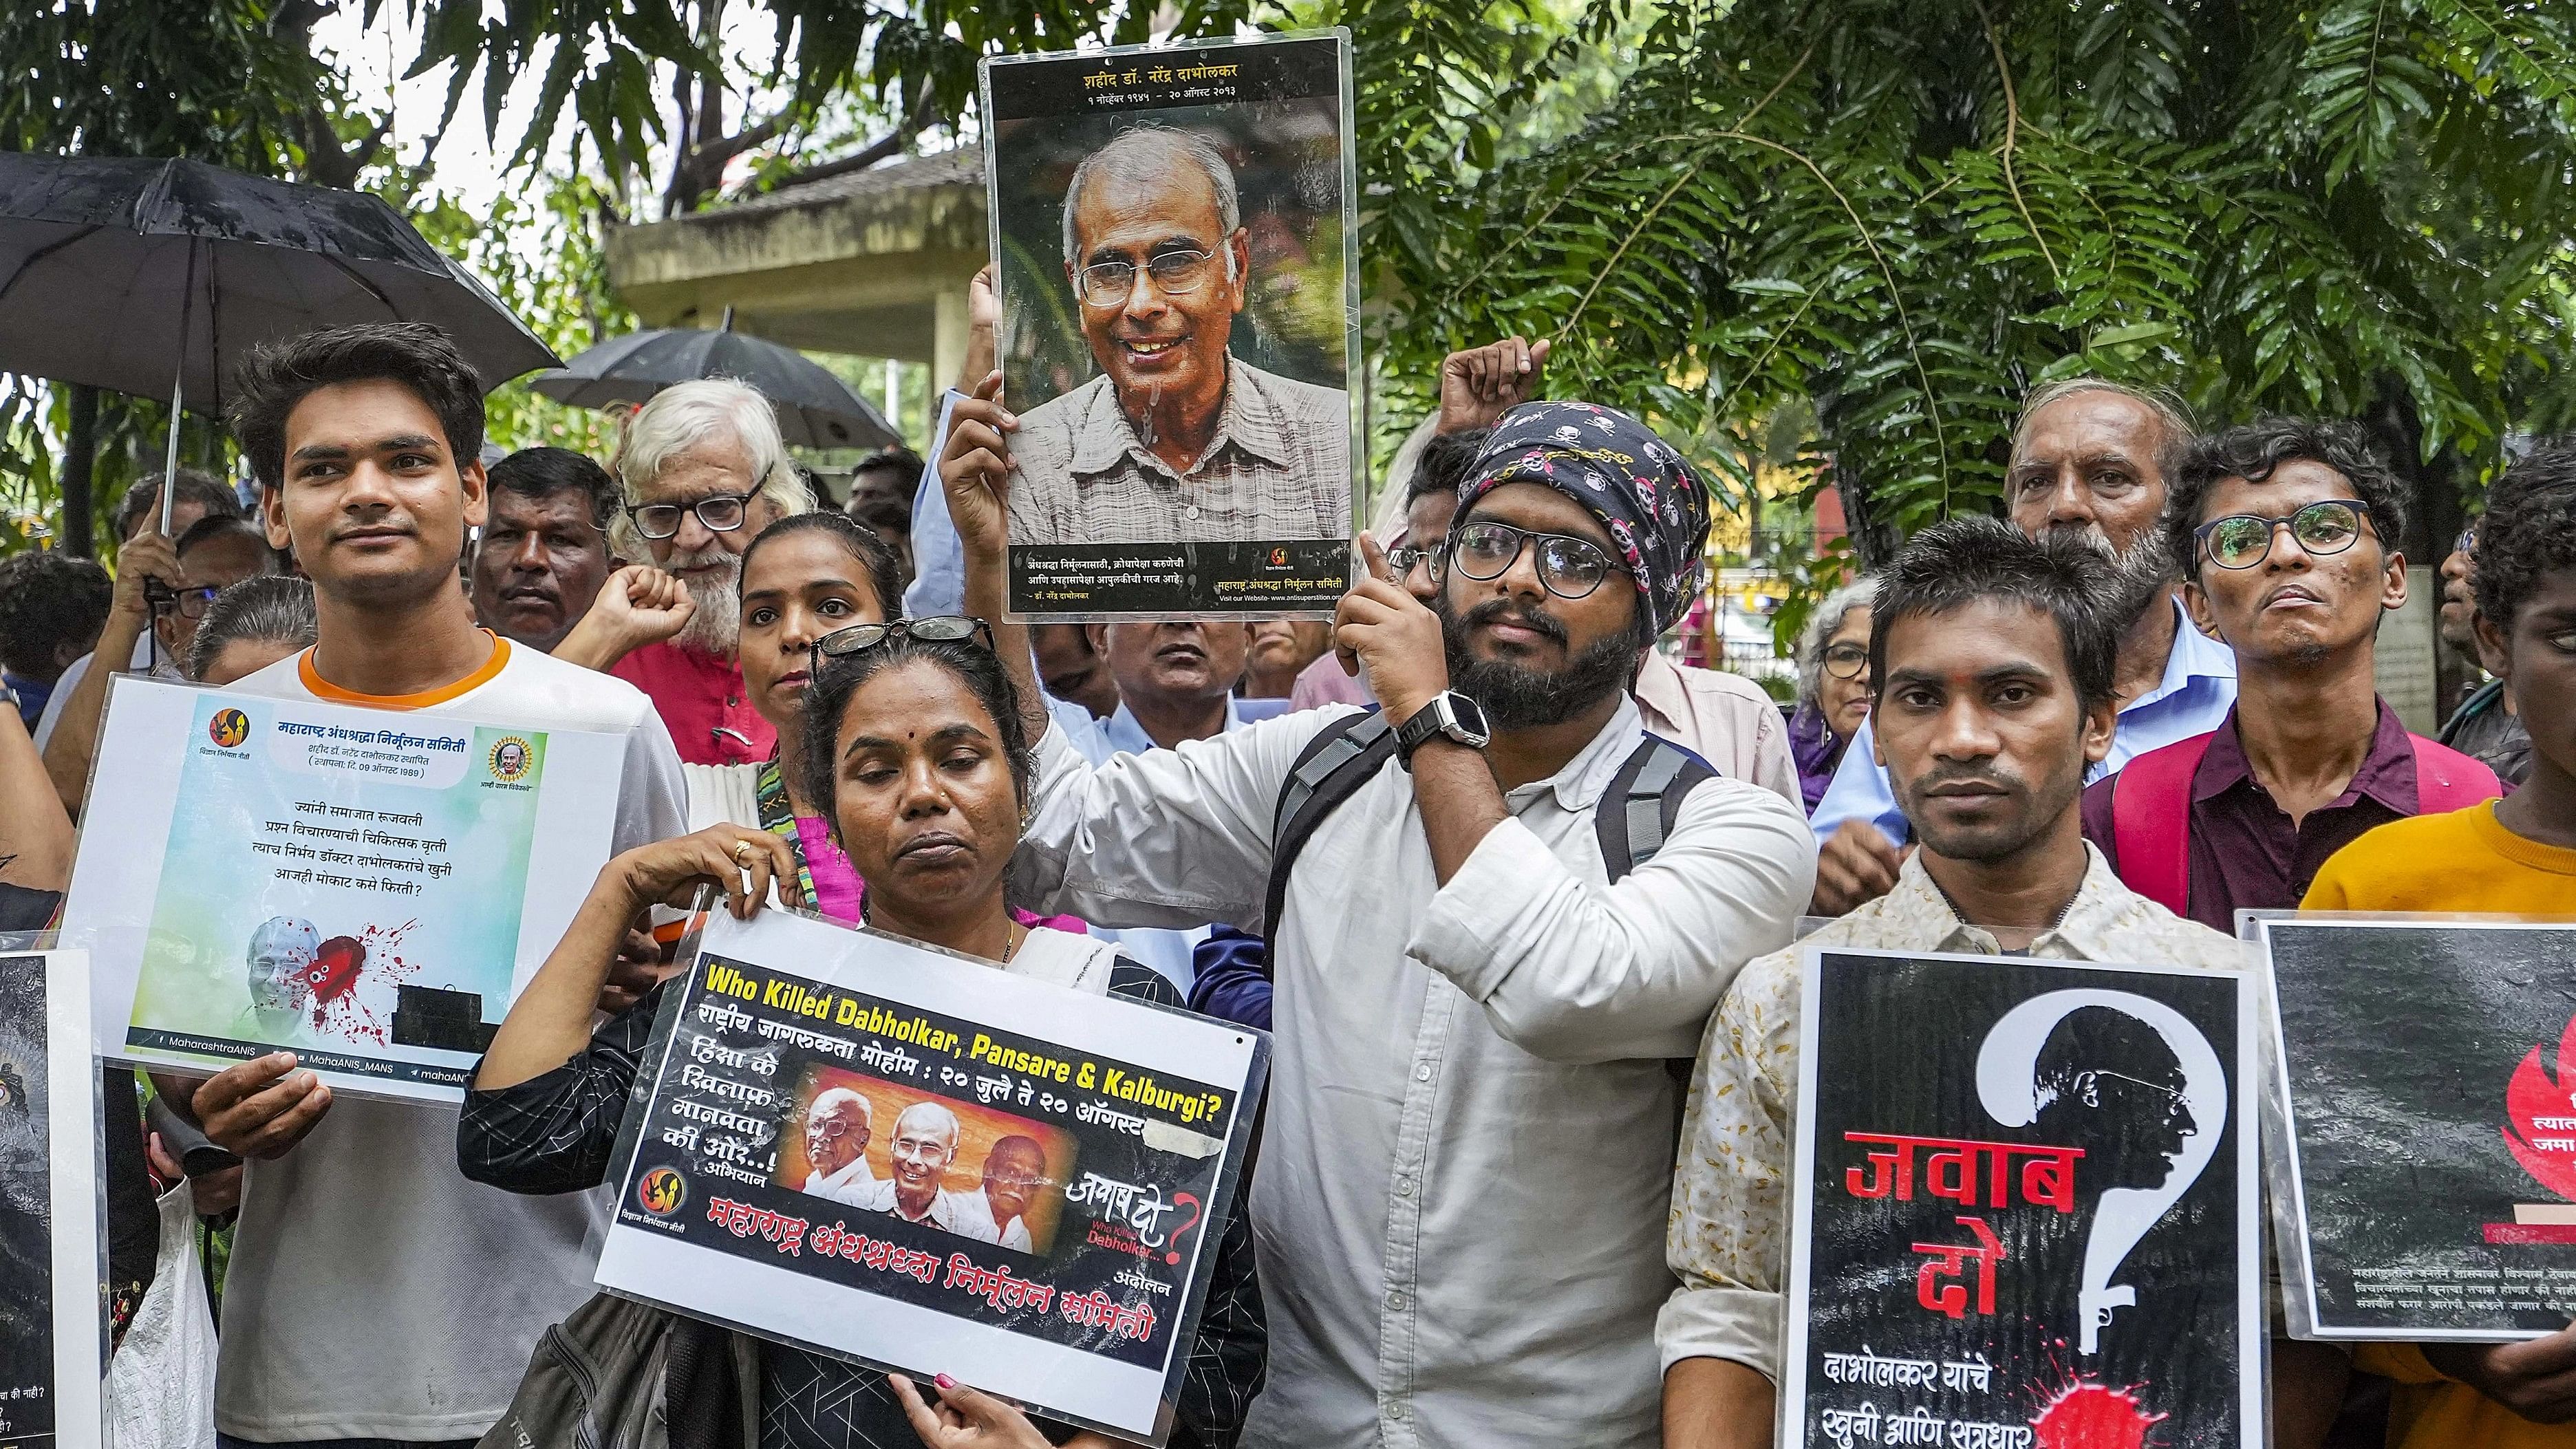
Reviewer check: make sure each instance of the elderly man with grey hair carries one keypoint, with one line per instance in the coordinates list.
(837, 1126)
(1177, 439)
(2090, 459)
(703, 471)
(925, 1143)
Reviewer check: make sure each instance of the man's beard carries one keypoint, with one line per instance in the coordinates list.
(715, 625)
(2141, 574)
(1515, 696)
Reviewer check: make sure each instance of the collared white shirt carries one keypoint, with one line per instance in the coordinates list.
(2193, 698)
(1464, 1175)
(976, 1219)
(950, 1212)
(854, 1183)
(1169, 953)
(1729, 1235)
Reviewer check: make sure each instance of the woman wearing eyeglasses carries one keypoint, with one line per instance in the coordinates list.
(912, 748)
(1833, 686)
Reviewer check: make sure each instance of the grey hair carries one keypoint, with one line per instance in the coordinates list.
(2179, 430)
(1141, 154)
(1822, 625)
(686, 414)
(266, 609)
(930, 1110)
(838, 1095)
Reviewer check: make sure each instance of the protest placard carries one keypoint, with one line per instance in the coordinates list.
(884, 1152)
(367, 888)
(52, 1348)
(2419, 1124)
(2025, 1206)
(1175, 235)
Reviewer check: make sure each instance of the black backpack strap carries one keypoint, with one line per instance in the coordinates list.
(1636, 813)
(1345, 755)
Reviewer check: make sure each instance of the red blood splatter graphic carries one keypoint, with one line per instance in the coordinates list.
(340, 964)
(2088, 1415)
(334, 972)
(2531, 1099)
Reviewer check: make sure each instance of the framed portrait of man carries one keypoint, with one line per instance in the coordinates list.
(1175, 246)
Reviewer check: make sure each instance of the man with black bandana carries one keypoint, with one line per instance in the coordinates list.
(1465, 998)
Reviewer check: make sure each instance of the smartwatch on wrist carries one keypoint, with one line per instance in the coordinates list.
(1449, 713)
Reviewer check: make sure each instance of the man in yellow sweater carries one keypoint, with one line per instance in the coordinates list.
(2514, 856)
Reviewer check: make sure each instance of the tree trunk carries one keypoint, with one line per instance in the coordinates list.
(80, 456)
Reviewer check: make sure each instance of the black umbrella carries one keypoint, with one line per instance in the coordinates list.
(135, 274)
(815, 409)
(140, 275)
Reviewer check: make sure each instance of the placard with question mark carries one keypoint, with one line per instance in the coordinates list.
(2026, 1205)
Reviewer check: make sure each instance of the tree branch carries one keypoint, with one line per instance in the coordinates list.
(889, 144)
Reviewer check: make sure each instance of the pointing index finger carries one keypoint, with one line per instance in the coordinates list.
(1374, 558)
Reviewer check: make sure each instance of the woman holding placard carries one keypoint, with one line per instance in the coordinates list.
(914, 740)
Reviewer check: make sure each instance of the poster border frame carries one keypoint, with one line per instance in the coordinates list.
(2253, 1357)
(1223, 1198)
(2289, 1207)
(200, 1066)
(1353, 363)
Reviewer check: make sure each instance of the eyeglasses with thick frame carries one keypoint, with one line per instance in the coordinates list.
(2243, 540)
(1847, 660)
(934, 629)
(1569, 567)
(193, 603)
(1176, 273)
(719, 512)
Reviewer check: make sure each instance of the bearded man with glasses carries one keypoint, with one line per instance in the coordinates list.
(2290, 531)
(703, 470)
(1177, 439)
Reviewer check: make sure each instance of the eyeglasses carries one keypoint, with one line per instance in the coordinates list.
(936, 629)
(1176, 273)
(1570, 567)
(1847, 661)
(720, 512)
(2174, 1093)
(1405, 560)
(2468, 541)
(2242, 540)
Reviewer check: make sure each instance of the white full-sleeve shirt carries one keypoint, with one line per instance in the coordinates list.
(1460, 1206)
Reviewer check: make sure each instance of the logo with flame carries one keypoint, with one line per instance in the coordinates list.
(2540, 1118)
(228, 728)
(662, 1191)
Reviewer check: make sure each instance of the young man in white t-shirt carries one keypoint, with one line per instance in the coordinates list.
(375, 1294)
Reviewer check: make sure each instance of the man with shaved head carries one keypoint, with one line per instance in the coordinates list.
(837, 1126)
(1014, 1170)
(1177, 438)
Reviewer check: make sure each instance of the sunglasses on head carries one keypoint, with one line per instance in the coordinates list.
(936, 629)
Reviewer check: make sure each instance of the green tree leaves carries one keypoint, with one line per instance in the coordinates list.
(1907, 213)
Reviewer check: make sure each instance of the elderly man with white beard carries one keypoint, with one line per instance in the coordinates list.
(2089, 459)
(703, 472)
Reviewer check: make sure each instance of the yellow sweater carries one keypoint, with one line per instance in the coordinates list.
(2463, 863)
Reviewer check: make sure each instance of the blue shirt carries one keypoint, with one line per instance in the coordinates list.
(938, 555)
(2193, 698)
(1167, 952)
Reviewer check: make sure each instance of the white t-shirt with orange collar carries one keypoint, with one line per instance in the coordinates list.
(375, 1293)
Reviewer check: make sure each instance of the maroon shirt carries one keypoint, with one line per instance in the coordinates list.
(2245, 853)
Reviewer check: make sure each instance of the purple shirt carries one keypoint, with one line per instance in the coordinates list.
(2245, 852)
